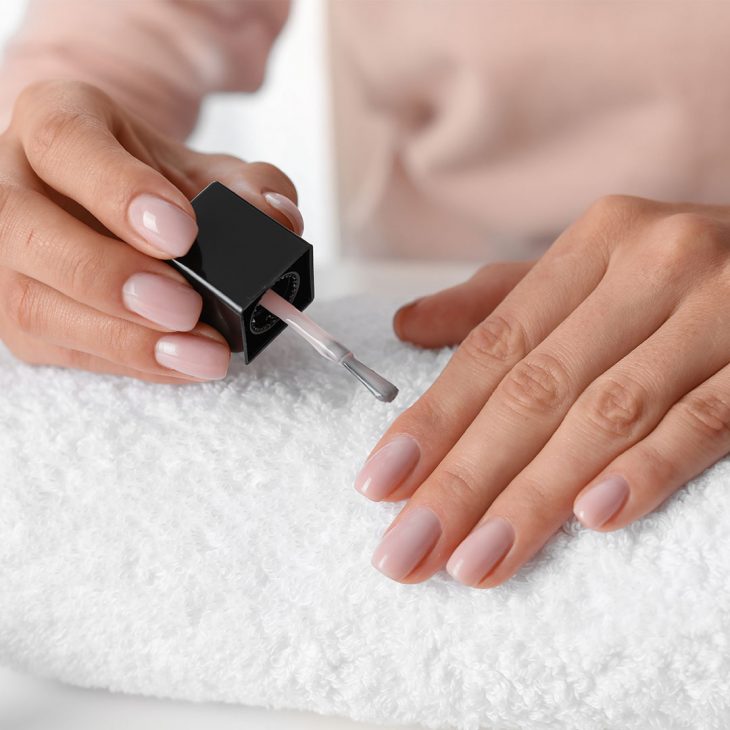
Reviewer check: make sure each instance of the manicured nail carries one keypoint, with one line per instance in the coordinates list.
(602, 501)
(481, 551)
(285, 206)
(407, 544)
(162, 224)
(388, 467)
(162, 300)
(201, 357)
(400, 314)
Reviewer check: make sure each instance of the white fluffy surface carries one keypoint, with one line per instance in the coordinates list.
(205, 543)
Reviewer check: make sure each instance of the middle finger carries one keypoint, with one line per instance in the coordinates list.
(41, 241)
(521, 415)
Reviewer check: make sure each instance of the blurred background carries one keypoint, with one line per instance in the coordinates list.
(258, 126)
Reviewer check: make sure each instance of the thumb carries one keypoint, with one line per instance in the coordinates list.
(446, 318)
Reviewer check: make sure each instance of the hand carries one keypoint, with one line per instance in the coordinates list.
(597, 387)
(91, 200)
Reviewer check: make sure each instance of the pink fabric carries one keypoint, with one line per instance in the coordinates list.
(480, 129)
(464, 128)
(157, 57)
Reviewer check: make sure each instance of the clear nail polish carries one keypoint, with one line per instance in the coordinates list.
(481, 551)
(162, 300)
(388, 467)
(407, 543)
(288, 208)
(598, 504)
(163, 225)
(201, 357)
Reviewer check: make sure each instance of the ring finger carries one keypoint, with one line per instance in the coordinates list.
(45, 243)
(38, 311)
(618, 410)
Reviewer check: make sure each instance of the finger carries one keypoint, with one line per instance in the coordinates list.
(419, 438)
(48, 245)
(618, 410)
(446, 318)
(74, 148)
(693, 435)
(260, 183)
(38, 311)
(39, 353)
(521, 415)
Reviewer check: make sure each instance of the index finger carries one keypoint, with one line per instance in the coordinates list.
(421, 437)
(70, 142)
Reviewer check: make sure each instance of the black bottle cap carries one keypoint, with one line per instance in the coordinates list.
(239, 253)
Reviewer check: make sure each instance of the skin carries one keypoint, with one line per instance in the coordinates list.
(609, 355)
(66, 244)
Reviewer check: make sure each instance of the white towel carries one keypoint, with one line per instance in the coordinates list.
(206, 543)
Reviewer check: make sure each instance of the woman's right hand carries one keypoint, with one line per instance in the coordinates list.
(92, 200)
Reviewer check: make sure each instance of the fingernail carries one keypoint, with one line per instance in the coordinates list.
(162, 300)
(287, 207)
(162, 224)
(408, 543)
(481, 551)
(201, 357)
(398, 318)
(388, 467)
(602, 501)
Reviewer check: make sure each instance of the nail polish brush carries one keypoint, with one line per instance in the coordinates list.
(327, 346)
(255, 277)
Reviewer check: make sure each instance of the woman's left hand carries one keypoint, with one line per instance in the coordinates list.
(597, 386)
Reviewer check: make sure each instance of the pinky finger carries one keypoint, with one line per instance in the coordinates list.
(36, 352)
(693, 435)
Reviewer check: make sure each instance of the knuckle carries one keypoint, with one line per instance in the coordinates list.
(656, 466)
(21, 303)
(496, 338)
(539, 383)
(118, 341)
(457, 486)
(58, 93)
(615, 406)
(535, 494)
(8, 212)
(609, 207)
(708, 414)
(685, 235)
(51, 133)
(680, 243)
(83, 273)
(425, 415)
(692, 226)
(606, 220)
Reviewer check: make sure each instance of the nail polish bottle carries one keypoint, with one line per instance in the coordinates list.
(242, 260)
(239, 254)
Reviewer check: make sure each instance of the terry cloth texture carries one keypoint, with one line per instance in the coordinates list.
(205, 542)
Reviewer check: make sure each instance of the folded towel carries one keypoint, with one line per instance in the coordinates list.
(204, 542)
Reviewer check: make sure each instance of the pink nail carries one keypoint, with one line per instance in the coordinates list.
(162, 300)
(481, 551)
(388, 467)
(408, 543)
(200, 357)
(162, 224)
(602, 501)
(287, 207)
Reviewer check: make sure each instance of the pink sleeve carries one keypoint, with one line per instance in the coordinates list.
(156, 57)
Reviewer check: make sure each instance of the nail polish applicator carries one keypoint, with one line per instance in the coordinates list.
(255, 277)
